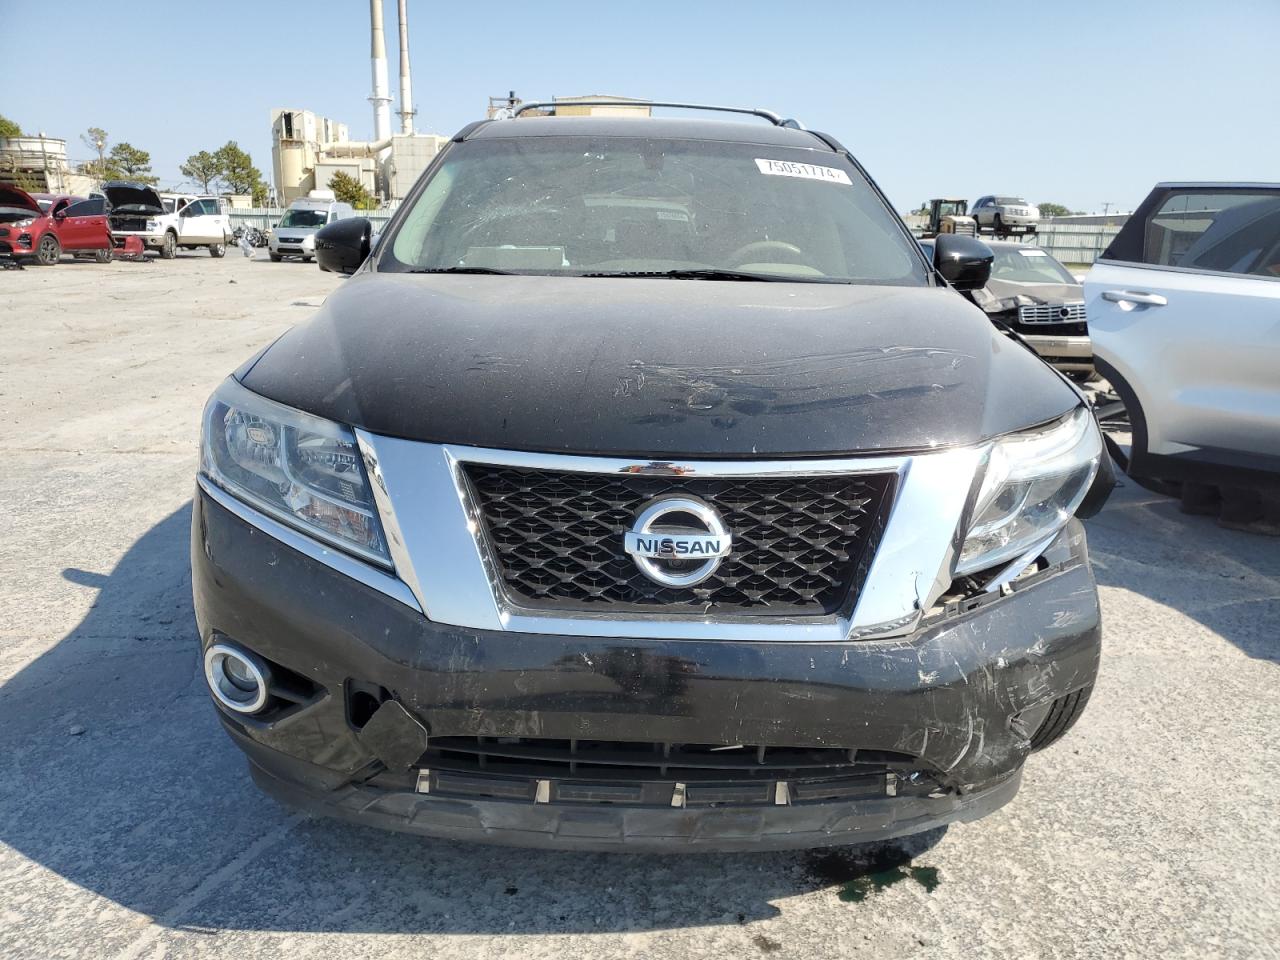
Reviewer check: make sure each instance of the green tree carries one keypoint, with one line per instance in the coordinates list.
(236, 169)
(350, 190)
(96, 139)
(203, 168)
(130, 163)
(260, 195)
(1053, 210)
(9, 128)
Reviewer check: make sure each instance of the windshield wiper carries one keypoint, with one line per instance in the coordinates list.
(494, 270)
(706, 273)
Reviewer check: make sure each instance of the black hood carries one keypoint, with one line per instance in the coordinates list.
(132, 197)
(658, 368)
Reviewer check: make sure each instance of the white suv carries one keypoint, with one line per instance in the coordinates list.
(1184, 314)
(1005, 216)
(192, 221)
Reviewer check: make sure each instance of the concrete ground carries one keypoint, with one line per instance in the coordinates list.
(129, 827)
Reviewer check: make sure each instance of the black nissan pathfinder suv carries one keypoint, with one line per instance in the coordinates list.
(646, 487)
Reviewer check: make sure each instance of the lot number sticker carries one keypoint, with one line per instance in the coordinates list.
(805, 171)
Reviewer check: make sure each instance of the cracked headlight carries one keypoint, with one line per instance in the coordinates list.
(302, 470)
(1033, 484)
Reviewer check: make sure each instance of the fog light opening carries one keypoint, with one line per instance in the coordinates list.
(236, 679)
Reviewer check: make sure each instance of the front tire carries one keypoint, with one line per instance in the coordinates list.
(169, 249)
(275, 257)
(217, 250)
(48, 250)
(997, 227)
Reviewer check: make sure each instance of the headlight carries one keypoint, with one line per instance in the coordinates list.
(1033, 484)
(303, 470)
(153, 226)
(309, 240)
(23, 223)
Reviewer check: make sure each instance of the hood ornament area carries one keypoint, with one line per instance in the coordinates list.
(678, 541)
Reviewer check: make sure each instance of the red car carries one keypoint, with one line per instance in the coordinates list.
(46, 228)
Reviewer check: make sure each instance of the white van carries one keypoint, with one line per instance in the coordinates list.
(295, 234)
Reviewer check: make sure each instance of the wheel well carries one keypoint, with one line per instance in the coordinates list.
(1132, 406)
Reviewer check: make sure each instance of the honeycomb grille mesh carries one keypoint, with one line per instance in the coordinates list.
(801, 545)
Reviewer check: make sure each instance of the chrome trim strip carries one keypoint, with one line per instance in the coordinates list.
(1193, 271)
(345, 564)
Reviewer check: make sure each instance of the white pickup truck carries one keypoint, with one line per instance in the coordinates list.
(167, 222)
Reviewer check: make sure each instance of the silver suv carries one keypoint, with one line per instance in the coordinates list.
(1005, 216)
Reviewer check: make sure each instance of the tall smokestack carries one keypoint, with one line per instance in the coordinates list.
(406, 85)
(381, 98)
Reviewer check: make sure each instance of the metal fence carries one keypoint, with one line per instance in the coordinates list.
(264, 218)
(1073, 242)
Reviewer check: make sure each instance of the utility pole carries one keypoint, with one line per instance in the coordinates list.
(1106, 207)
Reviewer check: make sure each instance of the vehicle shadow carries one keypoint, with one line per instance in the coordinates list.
(1227, 580)
(115, 774)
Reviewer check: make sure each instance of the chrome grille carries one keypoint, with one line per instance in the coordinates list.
(801, 545)
(1052, 313)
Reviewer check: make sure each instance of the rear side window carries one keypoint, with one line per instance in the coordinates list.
(1235, 231)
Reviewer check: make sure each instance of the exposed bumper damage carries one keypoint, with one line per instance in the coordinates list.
(540, 740)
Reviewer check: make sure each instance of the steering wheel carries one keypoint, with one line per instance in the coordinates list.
(750, 253)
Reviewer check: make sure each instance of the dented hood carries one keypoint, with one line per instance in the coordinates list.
(659, 368)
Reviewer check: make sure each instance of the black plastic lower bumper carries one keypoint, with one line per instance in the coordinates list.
(960, 699)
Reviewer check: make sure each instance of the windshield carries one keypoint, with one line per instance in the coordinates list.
(626, 206)
(294, 217)
(1028, 265)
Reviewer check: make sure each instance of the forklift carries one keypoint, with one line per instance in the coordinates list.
(948, 215)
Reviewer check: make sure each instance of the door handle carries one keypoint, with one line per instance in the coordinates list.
(1135, 297)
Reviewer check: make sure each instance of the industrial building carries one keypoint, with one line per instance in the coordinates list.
(307, 149)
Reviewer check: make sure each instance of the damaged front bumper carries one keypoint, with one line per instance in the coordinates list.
(602, 743)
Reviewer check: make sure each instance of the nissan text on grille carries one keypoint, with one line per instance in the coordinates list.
(647, 487)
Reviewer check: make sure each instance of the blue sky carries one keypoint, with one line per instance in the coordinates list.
(1076, 103)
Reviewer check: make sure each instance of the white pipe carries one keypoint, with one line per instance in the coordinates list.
(355, 148)
(406, 85)
(381, 98)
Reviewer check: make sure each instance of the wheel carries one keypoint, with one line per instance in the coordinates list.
(217, 250)
(307, 259)
(102, 256)
(1062, 716)
(48, 250)
(997, 227)
(275, 257)
(169, 249)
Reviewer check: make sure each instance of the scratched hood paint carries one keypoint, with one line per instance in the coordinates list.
(658, 368)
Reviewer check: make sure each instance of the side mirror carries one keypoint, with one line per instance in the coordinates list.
(964, 262)
(344, 244)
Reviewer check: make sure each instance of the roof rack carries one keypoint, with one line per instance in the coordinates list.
(769, 115)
